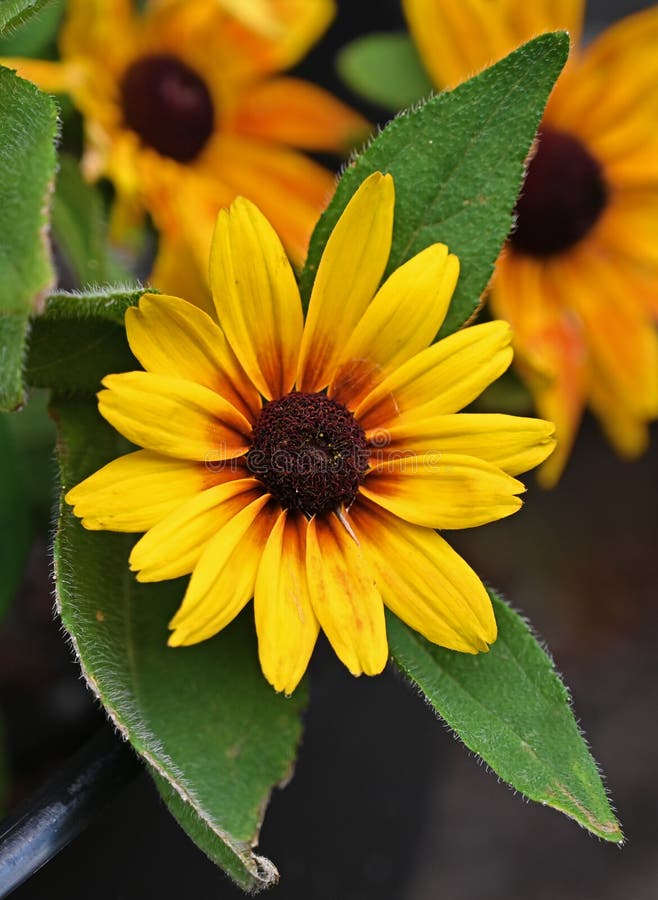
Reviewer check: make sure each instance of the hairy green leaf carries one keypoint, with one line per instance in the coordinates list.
(247, 869)
(511, 708)
(32, 32)
(28, 124)
(384, 68)
(14, 13)
(79, 339)
(458, 161)
(203, 717)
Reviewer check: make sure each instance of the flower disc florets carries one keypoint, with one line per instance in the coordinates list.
(168, 106)
(562, 198)
(310, 453)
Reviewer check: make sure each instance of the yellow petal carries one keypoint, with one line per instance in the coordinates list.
(512, 443)
(443, 490)
(348, 275)
(103, 31)
(627, 432)
(441, 379)
(280, 41)
(224, 578)
(52, 77)
(135, 491)
(457, 38)
(629, 225)
(174, 417)
(170, 336)
(403, 319)
(174, 546)
(256, 297)
(424, 582)
(286, 625)
(620, 333)
(300, 114)
(344, 597)
(535, 298)
(258, 15)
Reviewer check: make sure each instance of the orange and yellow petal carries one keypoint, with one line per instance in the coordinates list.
(52, 77)
(534, 297)
(135, 491)
(345, 600)
(514, 444)
(402, 319)
(175, 544)
(441, 379)
(300, 114)
(100, 31)
(458, 38)
(170, 336)
(251, 52)
(443, 490)
(349, 272)
(286, 625)
(613, 87)
(424, 581)
(256, 297)
(622, 348)
(629, 227)
(173, 417)
(627, 432)
(224, 578)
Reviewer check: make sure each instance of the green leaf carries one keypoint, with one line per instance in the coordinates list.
(33, 434)
(14, 520)
(261, 872)
(203, 717)
(385, 69)
(511, 708)
(80, 228)
(79, 339)
(32, 35)
(28, 124)
(14, 13)
(458, 161)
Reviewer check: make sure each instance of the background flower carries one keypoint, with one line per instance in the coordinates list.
(578, 280)
(184, 109)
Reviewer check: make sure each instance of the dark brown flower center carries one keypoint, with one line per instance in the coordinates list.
(168, 105)
(309, 452)
(562, 198)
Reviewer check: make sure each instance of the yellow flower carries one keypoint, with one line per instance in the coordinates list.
(184, 110)
(307, 464)
(578, 279)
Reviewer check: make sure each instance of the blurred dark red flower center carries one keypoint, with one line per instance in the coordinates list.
(309, 452)
(166, 103)
(562, 198)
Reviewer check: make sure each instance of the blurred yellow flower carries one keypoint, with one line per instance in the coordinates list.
(184, 110)
(578, 279)
(307, 464)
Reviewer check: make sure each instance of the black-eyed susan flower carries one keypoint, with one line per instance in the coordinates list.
(308, 464)
(578, 279)
(184, 109)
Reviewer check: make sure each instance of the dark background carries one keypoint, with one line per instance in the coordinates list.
(384, 803)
